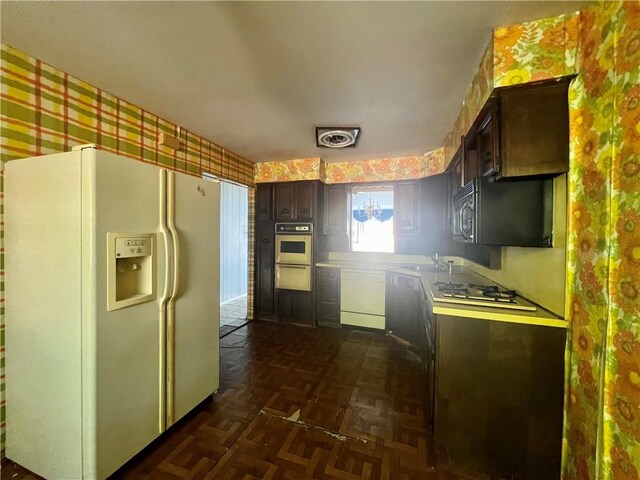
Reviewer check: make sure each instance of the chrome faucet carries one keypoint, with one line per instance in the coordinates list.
(440, 266)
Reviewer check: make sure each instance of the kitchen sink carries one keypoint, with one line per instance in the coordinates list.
(420, 268)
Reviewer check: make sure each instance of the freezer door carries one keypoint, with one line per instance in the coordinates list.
(123, 357)
(193, 347)
(43, 311)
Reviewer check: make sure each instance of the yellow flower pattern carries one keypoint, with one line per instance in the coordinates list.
(603, 266)
(380, 169)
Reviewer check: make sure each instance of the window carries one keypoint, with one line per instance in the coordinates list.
(372, 219)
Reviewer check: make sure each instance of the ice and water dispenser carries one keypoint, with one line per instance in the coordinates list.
(130, 269)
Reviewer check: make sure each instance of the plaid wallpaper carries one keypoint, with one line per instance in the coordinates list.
(44, 110)
(251, 260)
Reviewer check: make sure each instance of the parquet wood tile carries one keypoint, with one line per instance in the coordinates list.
(298, 403)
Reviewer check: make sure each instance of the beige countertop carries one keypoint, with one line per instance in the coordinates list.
(459, 275)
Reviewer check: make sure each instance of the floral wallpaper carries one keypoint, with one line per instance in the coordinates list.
(536, 50)
(401, 168)
(602, 405)
(289, 170)
(398, 168)
(433, 162)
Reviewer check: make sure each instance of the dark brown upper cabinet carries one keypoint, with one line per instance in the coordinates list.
(305, 198)
(336, 210)
(534, 129)
(522, 131)
(285, 201)
(406, 208)
(294, 201)
(455, 169)
(481, 152)
(488, 141)
(264, 203)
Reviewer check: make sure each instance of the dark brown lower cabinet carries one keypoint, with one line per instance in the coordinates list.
(499, 397)
(295, 307)
(264, 274)
(427, 332)
(328, 297)
(403, 307)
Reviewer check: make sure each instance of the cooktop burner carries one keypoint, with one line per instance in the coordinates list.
(477, 294)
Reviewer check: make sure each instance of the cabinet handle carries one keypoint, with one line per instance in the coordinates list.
(266, 240)
(334, 222)
(304, 210)
(285, 211)
(406, 223)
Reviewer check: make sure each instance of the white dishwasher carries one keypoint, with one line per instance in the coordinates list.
(362, 298)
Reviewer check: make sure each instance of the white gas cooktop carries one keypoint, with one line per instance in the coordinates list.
(478, 294)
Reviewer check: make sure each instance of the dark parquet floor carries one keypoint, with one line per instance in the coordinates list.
(299, 403)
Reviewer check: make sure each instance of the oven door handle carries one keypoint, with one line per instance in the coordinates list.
(292, 266)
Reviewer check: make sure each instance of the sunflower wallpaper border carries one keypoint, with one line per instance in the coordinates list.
(379, 169)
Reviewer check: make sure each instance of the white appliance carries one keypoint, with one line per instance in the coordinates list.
(478, 294)
(362, 297)
(293, 256)
(112, 307)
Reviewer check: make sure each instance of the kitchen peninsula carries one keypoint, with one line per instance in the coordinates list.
(489, 369)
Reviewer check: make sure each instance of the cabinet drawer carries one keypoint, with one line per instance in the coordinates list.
(329, 290)
(328, 273)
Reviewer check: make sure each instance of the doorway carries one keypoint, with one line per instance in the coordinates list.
(234, 234)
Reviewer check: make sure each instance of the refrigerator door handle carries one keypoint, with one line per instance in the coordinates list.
(162, 421)
(170, 384)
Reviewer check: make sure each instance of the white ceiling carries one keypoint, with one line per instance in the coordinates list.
(257, 77)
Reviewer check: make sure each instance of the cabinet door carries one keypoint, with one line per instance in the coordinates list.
(264, 203)
(328, 297)
(455, 169)
(434, 219)
(285, 201)
(405, 208)
(265, 254)
(391, 311)
(295, 307)
(488, 142)
(535, 129)
(305, 195)
(336, 214)
(403, 308)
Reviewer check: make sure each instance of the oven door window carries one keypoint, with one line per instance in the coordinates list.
(292, 247)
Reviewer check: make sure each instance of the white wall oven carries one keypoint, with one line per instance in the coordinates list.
(293, 256)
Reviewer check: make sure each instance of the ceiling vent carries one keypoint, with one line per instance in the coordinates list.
(337, 137)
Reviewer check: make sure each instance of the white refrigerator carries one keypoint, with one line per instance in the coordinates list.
(112, 307)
